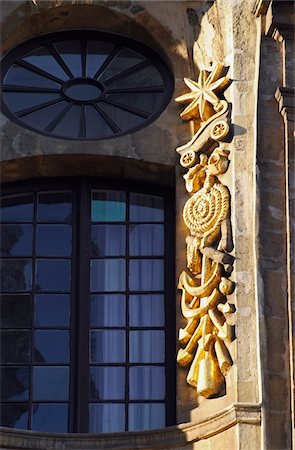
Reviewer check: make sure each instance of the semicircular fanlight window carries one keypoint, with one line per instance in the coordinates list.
(84, 85)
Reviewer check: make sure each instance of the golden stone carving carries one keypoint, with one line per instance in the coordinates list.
(207, 216)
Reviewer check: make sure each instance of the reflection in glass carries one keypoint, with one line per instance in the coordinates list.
(146, 208)
(144, 416)
(108, 240)
(16, 240)
(145, 77)
(56, 380)
(146, 310)
(145, 101)
(106, 417)
(146, 240)
(42, 58)
(19, 101)
(107, 383)
(43, 117)
(70, 51)
(96, 126)
(52, 310)
(70, 123)
(125, 59)
(14, 416)
(107, 310)
(53, 274)
(54, 207)
(54, 240)
(97, 53)
(123, 119)
(23, 77)
(108, 274)
(108, 206)
(15, 311)
(17, 208)
(16, 275)
(51, 346)
(107, 346)
(147, 383)
(147, 346)
(15, 346)
(146, 275)
(50, 417)
(14, 383)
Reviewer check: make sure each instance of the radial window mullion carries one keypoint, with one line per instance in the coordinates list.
(56, 121)
(27, 111)
(135, 111)
(106, 63)
(126, 72)
(59, 59)
(32, 68)
(107, 119)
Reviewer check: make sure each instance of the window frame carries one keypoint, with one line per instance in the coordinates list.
(80, 316)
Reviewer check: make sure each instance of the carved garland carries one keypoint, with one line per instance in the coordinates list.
(207, 216)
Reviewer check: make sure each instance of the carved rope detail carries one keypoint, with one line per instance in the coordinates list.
(207, 216)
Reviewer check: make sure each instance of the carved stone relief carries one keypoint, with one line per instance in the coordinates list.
(206, 214)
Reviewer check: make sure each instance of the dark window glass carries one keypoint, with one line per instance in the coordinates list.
(146, 208)
(14, 416)
(108, 206)
(55, 207)
(96, 124)
(123, 119)
(145, 77)
(143, 101)
(16, 275)
(97, 53)
(53, 274)
(146, 310)
(14, 383)
(146, 275)
(70, 51)
(52, 310)
(70, 122)
(143, 416)
(108, 240)
(107, 383)
(146, 240)
(125, 59)
(108, 275)
(18, 101)
(108, 310)
(15, 311)
(15, 346)
(50, 417)
(147, 346)
(43, 117)
(147, 383)
(19, 76)
(42, 58)
(107, 346)
(16, 240)
(17, 208)
(51, 346)
(56, 380)
(54, 240)
(106, 417)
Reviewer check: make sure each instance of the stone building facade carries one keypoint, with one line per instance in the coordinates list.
(254, 39)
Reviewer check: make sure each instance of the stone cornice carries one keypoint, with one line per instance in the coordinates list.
(166, 438)
(286, 100)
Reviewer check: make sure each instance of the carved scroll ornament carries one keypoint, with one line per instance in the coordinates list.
(207, 216)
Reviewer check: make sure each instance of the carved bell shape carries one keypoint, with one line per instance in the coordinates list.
(209, 377)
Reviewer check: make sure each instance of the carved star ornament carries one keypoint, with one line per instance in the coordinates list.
(203, 101)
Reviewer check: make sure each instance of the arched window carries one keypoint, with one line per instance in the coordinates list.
(86, 307)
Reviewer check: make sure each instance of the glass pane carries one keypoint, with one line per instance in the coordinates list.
(15, 311)
(108, 206)
(146, 101)
(96, 126)
(108, 240)
(18, 76)
(18, 101)
(147, 76)
(54, 240)
(43, 117)
(146, 208)
(146, 240)
(16, 275)
(42, 58)
(125, 59)
(51, 346)
(55, 207)
(144, 416)
(16, 240)
(52, 310)
(69, 125)
(108, 310)
(147, 383)
(107, 383)
(51, 417)
(17, 208)
(106, 417)
(146, 310)
(108, 275)
(14, 416)
(14, 383)
(50, 383)
(146, 275)
(124, 119)
(53, 274)
(107, 346)
(70, 51)
(15, 346)
(97, 53)
(147, 346)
